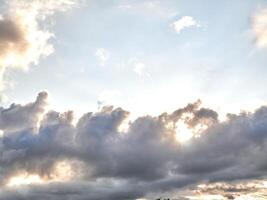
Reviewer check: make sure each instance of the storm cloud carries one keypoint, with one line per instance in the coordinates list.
(99, 161)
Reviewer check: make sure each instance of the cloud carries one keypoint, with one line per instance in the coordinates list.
(102, 55)
(103, 162)
(184, 22)
(259, 27)
(18, 117)
(23, 40)
(236, 190)
(138, 67)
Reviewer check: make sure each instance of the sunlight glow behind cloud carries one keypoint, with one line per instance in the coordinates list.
(24, 179)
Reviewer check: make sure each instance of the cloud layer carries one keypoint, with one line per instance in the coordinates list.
(93, 159)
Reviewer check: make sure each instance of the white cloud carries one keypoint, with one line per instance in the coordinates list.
(259, 27)
(138, 67)
(184, 22)
(22, 40)
(103, 55)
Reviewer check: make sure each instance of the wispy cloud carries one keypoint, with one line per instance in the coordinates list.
(184, 22)
(138, 66)
(139, 69)
(102, 55)
(259, 27)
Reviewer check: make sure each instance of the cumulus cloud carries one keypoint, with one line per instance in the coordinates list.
(102, 55)
(139, 67)
(259, 27)
(184, 22)
(103, 162)
(18, 117)
(23, 40)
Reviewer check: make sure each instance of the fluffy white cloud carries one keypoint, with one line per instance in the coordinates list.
(22, 40)
(102, 55)
(259, 26)
(184, 22)
(138, 66)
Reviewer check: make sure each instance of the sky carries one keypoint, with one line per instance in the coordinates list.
(133, 99)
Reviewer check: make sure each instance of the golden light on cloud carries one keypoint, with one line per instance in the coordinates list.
(183, 132)
(124, 127)
(62, 171)
(208, 197)
(24, 179)
(248, 190)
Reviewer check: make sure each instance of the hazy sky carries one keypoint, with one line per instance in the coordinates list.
(193, 61)
(128, 53)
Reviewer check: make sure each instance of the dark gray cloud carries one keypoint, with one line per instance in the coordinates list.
(108, 164)
(18, 117)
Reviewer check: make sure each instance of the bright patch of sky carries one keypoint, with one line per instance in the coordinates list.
(129, 54)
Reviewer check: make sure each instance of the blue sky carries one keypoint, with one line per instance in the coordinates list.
(217, 62)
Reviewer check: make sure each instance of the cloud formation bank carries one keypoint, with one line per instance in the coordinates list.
(45, 155)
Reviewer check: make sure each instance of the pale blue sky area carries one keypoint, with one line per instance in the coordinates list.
(148, 66)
